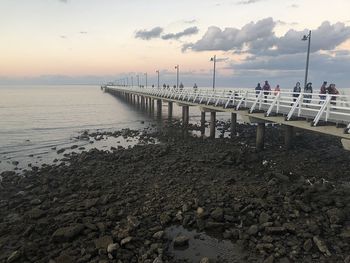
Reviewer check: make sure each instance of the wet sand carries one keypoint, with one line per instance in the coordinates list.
(118, 206)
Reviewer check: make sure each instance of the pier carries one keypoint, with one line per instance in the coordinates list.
(322, 113)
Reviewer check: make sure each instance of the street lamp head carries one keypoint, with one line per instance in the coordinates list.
(211, 59)
(305, 37)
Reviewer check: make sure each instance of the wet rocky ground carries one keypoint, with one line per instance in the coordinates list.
(123, 205)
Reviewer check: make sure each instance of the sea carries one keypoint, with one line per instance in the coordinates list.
(38, 120)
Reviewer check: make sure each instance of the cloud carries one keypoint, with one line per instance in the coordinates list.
(294, 6)
(83, 32)
(149, 34)
(232, 38)
(64, 1)
(187, 32)
(259, 39)
(247, 2)
(63, 36)
(192, 21)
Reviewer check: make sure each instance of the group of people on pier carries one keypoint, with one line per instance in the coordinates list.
(308, 90)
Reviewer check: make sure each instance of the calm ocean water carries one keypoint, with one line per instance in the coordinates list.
(36, 121)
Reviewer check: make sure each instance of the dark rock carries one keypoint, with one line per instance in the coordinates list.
(181, 241)
(65, 234)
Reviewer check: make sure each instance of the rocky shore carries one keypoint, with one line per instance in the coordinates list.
(117, 206)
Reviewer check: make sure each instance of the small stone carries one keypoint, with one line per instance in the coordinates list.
(14, 256)
(67, 233)
(253, 230)
(125, 241)
(164, 218)
(321, 246)
(133, 222)
(270, 259)
(64, 259)
(217, 214)
(200, 211)
(275, 230)
(36, 213)
(112, 249)
(158, 235)
(181, 241)
(103, 242)
(307, 245)
(264, 218)
(205, 260)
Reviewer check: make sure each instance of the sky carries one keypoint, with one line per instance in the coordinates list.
(94, 41)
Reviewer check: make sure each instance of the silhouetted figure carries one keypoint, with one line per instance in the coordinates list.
(277, 90)
(296, 91)
(308, 93)
(323, 90)
(332, 90)
(257, 89)
(266, 88)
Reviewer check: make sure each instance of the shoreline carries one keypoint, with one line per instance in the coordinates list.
(277, 205)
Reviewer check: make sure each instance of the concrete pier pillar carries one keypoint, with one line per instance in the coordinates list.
(185, 115)
(212, 124)
(288, 136)
(138, 100)
(233, 124)
(146, 102)
(202, 122)
(152, 105)
(159, 108)
(170, 110)
(260, 137)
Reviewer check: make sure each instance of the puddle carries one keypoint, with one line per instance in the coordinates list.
(201, 245)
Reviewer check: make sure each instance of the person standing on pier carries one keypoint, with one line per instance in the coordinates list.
(323, 90)
(277, 90)
(333, 90)
(257, 90)
(308, 93)
(296, 91)
(266, 88)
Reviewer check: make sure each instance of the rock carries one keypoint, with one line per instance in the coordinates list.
(36, 213)
(14, 256)
(321, 246)
(200, 211)
(158, 260)
(217, 214)
(125, 241)
(204, 260)
(307, 245)
(181, 241)
(64, 259)
(133, 222)
(60, 151)
(275, 230)
(335, 216)
(253, 230)
(345, 233)
(112, 250)
(65, 234)
(269, 259)
(264, 218)
(103, 242)
(164, 218)
(15, 163)
(158, 235)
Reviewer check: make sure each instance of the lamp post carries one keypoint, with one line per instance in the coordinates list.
(157, 71)
(146, 79)
(177, 76)
(214, 60)
(307, 37)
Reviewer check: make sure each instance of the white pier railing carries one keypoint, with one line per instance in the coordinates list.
(319, 108)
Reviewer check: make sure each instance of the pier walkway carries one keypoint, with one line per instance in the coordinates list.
(323, 113)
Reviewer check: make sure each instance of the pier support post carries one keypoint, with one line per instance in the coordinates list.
(233, 124)
(159, 108)
(212, 124)
(138, 100)
(202, 122)
(170, 110)
(260, 137)
(185, 115)
(152, 105)
(288, 136)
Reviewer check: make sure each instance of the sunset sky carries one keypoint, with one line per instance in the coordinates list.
(90, 41)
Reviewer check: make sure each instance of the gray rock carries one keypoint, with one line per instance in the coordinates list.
(125, 241)
(14, 256)
(112, 250)
(264, 218)
(321, 246)
(36, 213)
(217, 214)
(65, 234)
(253, 230)
(205, 260)
(181, 241)
(158, 235)
(103, 242)
(307, 245)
